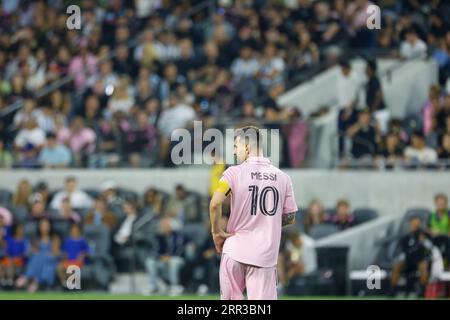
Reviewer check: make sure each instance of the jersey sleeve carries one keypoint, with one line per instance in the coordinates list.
(226, 182)
(289, 205)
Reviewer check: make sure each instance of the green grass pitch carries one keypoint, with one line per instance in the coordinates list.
(106, 296)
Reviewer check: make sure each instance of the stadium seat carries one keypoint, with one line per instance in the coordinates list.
(322, 230)
(20, 214)
(61, 227)
(195, 232)
(364, 214)
(101, 268)
(300, 219)
(31, 229)
(422, 213)
(129, 195)
(5, 197)
(93, 193)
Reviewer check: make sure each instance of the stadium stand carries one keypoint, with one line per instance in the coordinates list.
(110, 95)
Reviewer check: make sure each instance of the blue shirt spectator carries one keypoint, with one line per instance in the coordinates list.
(55, 154)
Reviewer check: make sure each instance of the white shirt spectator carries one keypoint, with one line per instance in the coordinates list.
(123, 105)
(416, 50)
(78, 199)
(347, 88)
(125, 230)
(309, 254)
(22, 117)
(34, 136)
(244, 68)
(274, 65)
(425, 155)
(175, 118)
(447, 86)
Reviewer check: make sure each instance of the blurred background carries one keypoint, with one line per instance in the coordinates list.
(86, 116)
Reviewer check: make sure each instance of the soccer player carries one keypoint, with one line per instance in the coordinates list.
(262, 201)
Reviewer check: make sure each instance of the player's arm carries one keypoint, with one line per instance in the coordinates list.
(215, 212)
(290, 206)
(288, 218)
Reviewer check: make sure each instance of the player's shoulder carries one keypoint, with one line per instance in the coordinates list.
(280, 172)
(232, 170)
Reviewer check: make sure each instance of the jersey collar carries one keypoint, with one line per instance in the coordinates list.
(254, 159)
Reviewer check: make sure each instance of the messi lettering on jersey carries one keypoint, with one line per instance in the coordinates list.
(263, 176)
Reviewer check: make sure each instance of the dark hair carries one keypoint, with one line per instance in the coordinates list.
(51, 135)
(344, 63)
(250, 133)
(71, 179)
(372, 64)
(418, 134)
(440, 195)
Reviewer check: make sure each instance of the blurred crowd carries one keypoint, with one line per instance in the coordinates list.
(110, 229)
(224, 63)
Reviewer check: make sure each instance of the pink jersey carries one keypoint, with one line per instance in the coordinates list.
(260, 195)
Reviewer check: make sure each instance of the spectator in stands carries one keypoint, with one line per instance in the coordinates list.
(347, 88)
(31, 134)
(244, 70)
(343, 218)
(444, 150)
(315, 215)
(41, 267)
(374, 91)
(101, 215)
(28, 112)
(304, 55)
(153, 202)
(140, 140)
(42, 192)
(297, 257)
(326, 29)
(442, 115)
(121, 100)
(92, 111)
(38, 210)
(124, 233)
(412, 46)
(78, 198)
(357, 15)
(6, 158)
(364, 136)
(83, 66)
(74, 251)
(390, 151)
(271, 68)
(54, 154)
(294, 264)
(439, 225)
(418, 153)
(414, 250)
(110, 192)
(79, 138)
(202, 270)
(177, 115)
(67, 213)
(297, 135)
(28, 157)
(6, 216)
(22, 194)
(109, 141)
(431, 109)
(168, 259)
(14, 260)
(5, 234)
(182, 206)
